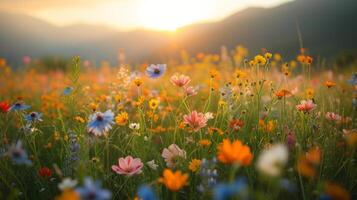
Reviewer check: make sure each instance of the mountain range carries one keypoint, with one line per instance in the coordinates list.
(326, 26)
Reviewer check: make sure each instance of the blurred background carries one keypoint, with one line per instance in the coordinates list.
(136, 31)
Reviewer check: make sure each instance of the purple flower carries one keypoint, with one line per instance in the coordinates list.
(155, 71)
(18, 154)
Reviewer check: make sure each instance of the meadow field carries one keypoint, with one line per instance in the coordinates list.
(205, 126)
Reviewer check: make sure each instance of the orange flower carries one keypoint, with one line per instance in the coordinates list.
(174, 181)
(205, 143)
(68, 195)
(234, 153)
(307, 163)
(329, 84)
(283, 93)
(336, 191)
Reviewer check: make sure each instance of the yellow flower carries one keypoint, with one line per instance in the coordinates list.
(122, 118)
(174, 181)
(259, 59)
(194, 165)
(240, 74)
(252, 63)
(68, 195)
(79, 119)
(213, 73)
(138, 81)
(93, 106)
(329, 84)
(117, 98)
(268, 55)
(205, 142)
(221, 103)
(153, 103)
(139, 102)
(277, 57)
(234, 153)
(309, 93)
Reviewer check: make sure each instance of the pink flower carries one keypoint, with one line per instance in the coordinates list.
(195, 120)
(332, 116)
(128, 166)
(171, 155)
(306, 106)
(190, 91)
(180, 80)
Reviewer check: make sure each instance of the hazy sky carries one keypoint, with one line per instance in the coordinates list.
(131, 14)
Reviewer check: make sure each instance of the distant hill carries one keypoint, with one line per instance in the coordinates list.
(327, 27)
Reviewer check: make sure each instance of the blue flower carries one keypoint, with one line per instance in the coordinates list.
(228, 190)
(33, 117)
(146, 193)
(287, 185)
(67, 90)
(19, 106)
(99, 123)
(155, 71)
(18, 154)
(93, 190)
(353, 80)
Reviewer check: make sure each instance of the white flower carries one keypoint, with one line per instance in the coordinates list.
(172, 154)
(67, 183)
(209, 115)
(134, 126)
(271, 161)
(152, 164)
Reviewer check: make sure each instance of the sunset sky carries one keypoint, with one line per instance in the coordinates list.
(132, 14)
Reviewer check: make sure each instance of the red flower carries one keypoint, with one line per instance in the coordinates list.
(44, 172)
(236, 124)
(4, 107)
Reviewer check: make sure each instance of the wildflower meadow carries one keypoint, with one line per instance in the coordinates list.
(208, 126)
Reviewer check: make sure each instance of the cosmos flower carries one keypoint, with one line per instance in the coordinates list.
(19, 106)
(33, 117)
(18, 155)
(67, 183)
(128, 166)
(306, 106)
(234, 153)
(190, 91)
(93, 190)
(99, 123)
(180, 80)
(155, 71)
(146, 193)
(195, 120)
(4, 107)
(172, 154)
(332, 116)
(271, 160)
(152, 164)
(174, 181)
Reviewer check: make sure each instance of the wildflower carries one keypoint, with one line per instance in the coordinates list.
(4, 107)
(332, 116)
(146, 193)
(308, 60)
(155, 71)
(152, 164)
(213, 73)
(180, 80)
(194, 165)
(190, 91)
(259, 59)
(268, 55)
(209, 115)
(153, 104)
(93, 106)
(174, 181)
(283, 93)
(68, 195)
(353, 80)
(335, 191)
(79, 119)
(128, 166)
(252, 63)
(93, 190)
(268, 127)
(195, 120)
(212, 130)
(138, 81)
(306, 106)
(291, 140)
(67, 90)
(229, 190)
(277, 57)
(99, 123)
(134, 126)
(19, 106)
(329, 84)
(236, 124)
(45, 172)
(172, 154)
(309, 93)
(33, 117)
(234, 153)
(240, 74)
(271, 161)
(208, 174)
(307, 163)
(67, 184)
(205, 143)
(122, 118)
(17, 154)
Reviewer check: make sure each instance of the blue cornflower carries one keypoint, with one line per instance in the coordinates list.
(18, 154)
(146, 193)
(287, 185)
(33, 117)
(353, 80)
(93, 190)
(99, 123)
(226, 191)
(18, 106)
(155, 71)
(67, 90)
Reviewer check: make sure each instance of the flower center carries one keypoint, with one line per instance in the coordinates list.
(33, 115)
(100, 118)
(156, 71)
